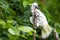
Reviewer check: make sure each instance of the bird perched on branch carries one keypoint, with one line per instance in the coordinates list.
(40, 20)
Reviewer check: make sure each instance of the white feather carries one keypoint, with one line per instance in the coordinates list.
(41, 21)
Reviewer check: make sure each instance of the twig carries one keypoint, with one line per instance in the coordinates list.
(34, 20)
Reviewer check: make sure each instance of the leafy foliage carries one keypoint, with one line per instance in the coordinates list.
(14, 19)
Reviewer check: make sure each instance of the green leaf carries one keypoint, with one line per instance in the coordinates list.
(4, 5)
(2, 22)
(25, 29)
(25, 3)
(1, 39)
(9, 21)
(11, 31)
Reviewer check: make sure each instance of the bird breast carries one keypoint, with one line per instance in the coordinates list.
(40, 17)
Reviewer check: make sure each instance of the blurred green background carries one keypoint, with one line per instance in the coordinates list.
(15, 14)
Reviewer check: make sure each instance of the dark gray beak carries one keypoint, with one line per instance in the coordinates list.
(36, 6)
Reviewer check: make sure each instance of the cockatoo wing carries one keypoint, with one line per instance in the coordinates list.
(31, 20)
(46, 32)
(46, 29)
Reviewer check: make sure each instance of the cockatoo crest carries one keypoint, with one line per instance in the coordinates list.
(34, 6)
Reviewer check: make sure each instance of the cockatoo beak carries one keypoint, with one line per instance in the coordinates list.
(30, 4)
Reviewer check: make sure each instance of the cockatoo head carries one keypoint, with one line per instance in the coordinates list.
(34, 5)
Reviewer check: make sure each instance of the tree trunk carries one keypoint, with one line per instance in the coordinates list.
(56, 37)
(34, 20)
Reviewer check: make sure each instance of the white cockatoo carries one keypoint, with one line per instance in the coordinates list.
(40, 21)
